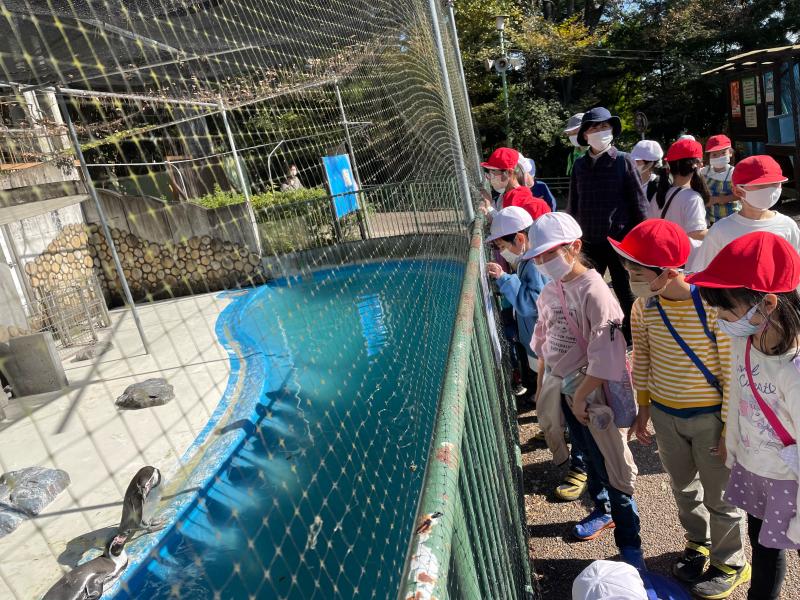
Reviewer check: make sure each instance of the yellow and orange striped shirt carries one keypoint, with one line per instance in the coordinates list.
(662, 372)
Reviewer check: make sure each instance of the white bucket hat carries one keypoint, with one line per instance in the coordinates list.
(550, 231)
(512, 219)
(648, 150)
(608, 580)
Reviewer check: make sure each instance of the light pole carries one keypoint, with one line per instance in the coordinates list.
(500, 25)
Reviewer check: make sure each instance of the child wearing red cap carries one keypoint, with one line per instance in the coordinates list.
(757, 183)
(718, 178)
(753, 284)
(506, 177)
(580, 347)
(683, 200)
(680, 365)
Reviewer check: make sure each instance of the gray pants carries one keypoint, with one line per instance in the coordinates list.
(698, 483)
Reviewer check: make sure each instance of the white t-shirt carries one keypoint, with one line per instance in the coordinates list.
(724, 231)
(687, 209)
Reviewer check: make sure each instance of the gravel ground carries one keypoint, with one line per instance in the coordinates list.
(557, 560)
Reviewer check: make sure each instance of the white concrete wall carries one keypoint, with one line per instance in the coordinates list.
(11, 307)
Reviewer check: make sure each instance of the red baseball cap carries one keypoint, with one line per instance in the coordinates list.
(718, 142)
(759, 261)
(759, 169)
(655, 243)
(503, 159)
(684, 148)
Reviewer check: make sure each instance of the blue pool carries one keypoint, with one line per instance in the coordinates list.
(317, 499)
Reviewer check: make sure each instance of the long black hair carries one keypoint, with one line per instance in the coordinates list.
(684, 166)
(785, 317)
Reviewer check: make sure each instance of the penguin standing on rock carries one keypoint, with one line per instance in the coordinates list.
(138, 497)
(87, 581)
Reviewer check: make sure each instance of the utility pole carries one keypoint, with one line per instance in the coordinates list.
(500, 24)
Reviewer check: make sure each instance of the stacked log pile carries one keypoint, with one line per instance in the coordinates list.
(153, 270)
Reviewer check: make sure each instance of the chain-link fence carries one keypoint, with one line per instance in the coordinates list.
(273, 199)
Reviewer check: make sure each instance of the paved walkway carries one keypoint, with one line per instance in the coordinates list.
(100, 447)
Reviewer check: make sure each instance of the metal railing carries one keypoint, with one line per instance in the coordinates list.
(470, 539)
(386, 210)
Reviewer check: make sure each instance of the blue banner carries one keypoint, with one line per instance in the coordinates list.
(341, 183)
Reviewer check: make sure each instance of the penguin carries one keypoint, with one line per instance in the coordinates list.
(137, 499)
(87, 581)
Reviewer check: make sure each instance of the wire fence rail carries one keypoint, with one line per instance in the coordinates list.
(470, 540)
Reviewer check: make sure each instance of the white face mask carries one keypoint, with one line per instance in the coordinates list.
(556, 268)
(763, 199)
(511, 258)
(574, 140)
(720, 162)
(741, 327)
(641, 289)
(600, 140)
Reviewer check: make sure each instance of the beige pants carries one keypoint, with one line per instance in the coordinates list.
(698, 483)
(551, 418)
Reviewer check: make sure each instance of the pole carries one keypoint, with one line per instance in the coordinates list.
(103, 222)
(352, 154)
(473, 142)
(509, 135)
(461, 169)
(240, 174)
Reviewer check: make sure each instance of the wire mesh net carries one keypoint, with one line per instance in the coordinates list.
(269, 197)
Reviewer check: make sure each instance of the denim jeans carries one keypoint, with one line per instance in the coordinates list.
(622, 507)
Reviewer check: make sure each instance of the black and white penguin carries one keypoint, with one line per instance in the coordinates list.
(137, 495)
(87, 581)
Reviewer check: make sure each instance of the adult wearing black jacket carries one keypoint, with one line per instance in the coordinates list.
(607, 199)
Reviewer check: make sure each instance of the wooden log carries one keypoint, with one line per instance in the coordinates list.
(168, 262)
(194, 243)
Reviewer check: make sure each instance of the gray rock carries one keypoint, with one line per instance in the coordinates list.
(93, 351)
(9, 520)
(26, 493)
(152, 392)
(32, 489)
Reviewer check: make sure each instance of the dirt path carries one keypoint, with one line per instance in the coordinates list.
(557, 559)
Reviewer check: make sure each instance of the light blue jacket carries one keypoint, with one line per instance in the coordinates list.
(522, 290)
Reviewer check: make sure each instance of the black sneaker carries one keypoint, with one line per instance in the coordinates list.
(692, 564)
(719, 581)
(519, 390)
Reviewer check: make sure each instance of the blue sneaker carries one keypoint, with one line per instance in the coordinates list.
(593, 525)
(633, 556)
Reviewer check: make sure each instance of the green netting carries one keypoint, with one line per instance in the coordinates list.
(259, 210)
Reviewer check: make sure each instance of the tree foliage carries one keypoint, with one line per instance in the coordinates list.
(628, 55)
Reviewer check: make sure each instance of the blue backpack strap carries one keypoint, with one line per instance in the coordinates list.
(710, 377)
(701, 312)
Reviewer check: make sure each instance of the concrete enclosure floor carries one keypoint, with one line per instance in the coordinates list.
(80, 431)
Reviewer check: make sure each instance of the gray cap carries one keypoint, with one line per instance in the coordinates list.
(574, 122)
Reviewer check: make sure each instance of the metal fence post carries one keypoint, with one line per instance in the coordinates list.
(240, 174)
(85, 306)
(103, 222)
(473, 142)
(352, 153)
(450, 109)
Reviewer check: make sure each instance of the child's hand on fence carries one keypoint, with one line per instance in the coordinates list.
(639, 427)
(494, 269)
(486, 203)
